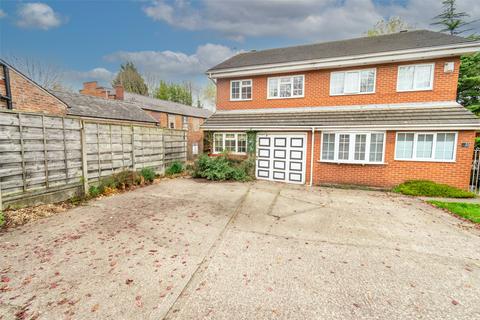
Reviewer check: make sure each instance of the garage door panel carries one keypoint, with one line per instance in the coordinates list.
(264, 153)
(281, 157)
(264, 142)
(279, 154)
(280, 142)
(264, 163)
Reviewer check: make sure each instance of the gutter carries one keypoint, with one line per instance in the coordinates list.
(312, 157)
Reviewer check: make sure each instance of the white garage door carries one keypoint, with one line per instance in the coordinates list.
(281, 157)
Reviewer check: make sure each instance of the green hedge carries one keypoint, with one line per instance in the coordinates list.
(223, 168)
(431, 189)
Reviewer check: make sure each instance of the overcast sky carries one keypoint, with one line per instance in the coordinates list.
(179, 40)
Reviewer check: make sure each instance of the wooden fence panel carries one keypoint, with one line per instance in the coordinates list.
(40, 154)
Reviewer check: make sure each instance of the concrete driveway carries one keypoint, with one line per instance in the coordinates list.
(186, 249)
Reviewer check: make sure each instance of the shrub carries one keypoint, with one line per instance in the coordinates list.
(222, 168)
(431, 189)
(175, 168)
(127, 179)
(94, 191)
(148, 174)
(2, 219)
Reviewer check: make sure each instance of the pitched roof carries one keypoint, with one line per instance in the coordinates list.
(387, 116)
(93, 107)
(149, 103)
(343, 48)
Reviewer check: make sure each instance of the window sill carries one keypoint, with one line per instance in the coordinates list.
(426, 160)
(350, 94)
(279, 98)
(414, 90)
(350, 162)
(240, 100)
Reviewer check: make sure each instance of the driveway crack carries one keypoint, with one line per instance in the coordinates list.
(203, 265)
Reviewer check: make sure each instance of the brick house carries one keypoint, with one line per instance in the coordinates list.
(168, 114)
(18, 92)
(368, 111)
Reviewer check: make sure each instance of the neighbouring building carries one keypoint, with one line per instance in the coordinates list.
(176, 116)
(18, 92)
(168, 114)
(373, 111)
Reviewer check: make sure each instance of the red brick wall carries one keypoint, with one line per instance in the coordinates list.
(317, 89)
(27, 96)
(394, 172)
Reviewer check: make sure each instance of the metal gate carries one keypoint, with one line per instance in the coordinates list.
(475, 178)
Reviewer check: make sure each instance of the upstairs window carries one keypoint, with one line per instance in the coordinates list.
(171, 121)
(415, 77)
(352, 82)
(286, 87)
(425, 146)
(353, 147)
(241, 90)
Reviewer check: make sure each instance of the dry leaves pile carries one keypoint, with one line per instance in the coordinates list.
(24, 215)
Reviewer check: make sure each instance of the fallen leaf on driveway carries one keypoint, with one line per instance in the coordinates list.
(95, 308)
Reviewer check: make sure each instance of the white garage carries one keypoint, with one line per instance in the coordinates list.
(281, 157)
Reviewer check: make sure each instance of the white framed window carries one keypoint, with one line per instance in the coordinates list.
(286, 87)
(353, 82)
(195, 148)
(353, 147)
(241, 90)
(230, 142)
(415, 77)
(426, 146)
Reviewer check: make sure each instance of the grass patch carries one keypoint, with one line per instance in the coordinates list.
(427, 188)
(470, 211)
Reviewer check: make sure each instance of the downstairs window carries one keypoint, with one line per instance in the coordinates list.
(353, 147)
(230, 142)
(426, 146)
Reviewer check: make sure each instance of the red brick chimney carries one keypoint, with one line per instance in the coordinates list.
(92, 89)
(119, 92)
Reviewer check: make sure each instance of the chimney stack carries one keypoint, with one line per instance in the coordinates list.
(119, 92)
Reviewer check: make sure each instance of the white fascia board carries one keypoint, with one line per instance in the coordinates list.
(424, 127)
(349, 61)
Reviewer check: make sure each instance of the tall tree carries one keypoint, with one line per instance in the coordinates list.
(392, 25)
(181, 93)
(46, 74)
(451, 20)
(130, 79)
(468, 92)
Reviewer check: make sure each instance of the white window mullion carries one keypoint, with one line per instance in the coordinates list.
(351, 147)
(367, 147)
(337, 144)
(434, 146)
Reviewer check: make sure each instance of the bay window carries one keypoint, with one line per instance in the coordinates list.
(241, 90)
(286, 87)
(230, 142)
(426, 146)
(352, 82)
(353, 147)
(415, 77)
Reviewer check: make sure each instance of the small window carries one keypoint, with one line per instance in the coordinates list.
(286, 87)
(241, 90)
(230, 142)
(195, 124)
(352, 82)
(421, 146)
(171, 121)
(347, 147)
(415, 77)
(195, 148)
(185, 122)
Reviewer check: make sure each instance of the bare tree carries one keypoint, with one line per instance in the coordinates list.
(152, 80)
(392, 25)
(46, 74)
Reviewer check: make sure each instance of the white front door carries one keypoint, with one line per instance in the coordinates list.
(281, 157)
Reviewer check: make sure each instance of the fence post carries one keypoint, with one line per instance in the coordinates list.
(1, 203)
(83, 139)
(133, 147)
